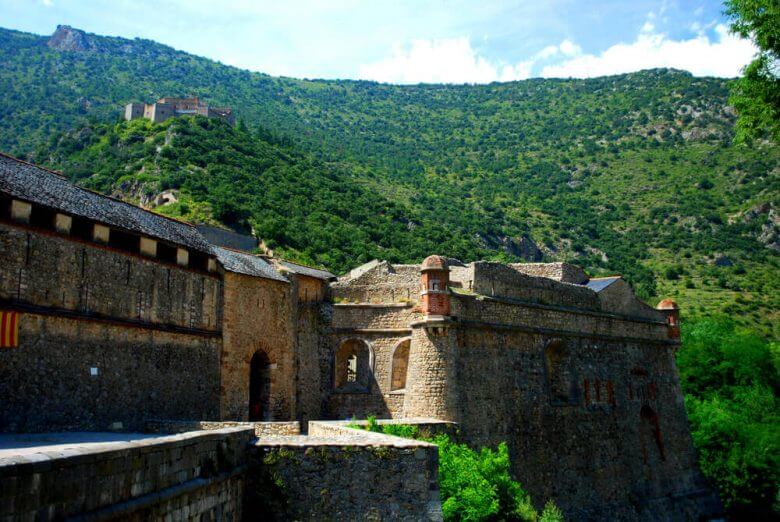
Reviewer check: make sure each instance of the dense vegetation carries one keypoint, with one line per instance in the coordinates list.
(633, 174)
(475, 485)
(756, 95)
(731, 379)
(636, 173)
(301, 207)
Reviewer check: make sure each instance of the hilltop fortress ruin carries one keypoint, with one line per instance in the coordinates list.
(119, 319)
(168, 107)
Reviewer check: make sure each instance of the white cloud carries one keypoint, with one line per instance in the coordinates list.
(569, 48)
(723, 56)
(456, 61)
(437, 61)
(48, 3)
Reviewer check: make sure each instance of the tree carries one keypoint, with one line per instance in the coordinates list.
(756, 95)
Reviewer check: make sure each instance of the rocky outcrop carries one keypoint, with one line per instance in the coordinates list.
(66, 38)
(523, 247)
(769, 235)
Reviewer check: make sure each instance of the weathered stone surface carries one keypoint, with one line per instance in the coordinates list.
(576, 376)
(192, 476)
(344, 474)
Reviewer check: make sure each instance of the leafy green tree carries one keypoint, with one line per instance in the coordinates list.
(731, 378)
(756, 95)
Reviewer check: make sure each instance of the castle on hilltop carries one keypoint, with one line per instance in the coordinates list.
(168, 107)
(115, 318)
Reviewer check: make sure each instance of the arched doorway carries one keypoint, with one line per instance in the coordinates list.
(260, 387)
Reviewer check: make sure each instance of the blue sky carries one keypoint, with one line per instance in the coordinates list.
(454, 41)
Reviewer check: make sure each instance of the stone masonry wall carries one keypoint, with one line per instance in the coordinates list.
(257, 317)
(262, 429)
(192, 476)
(308, 295)
(579, 424)
(495, 313)
(382, 327)
(498, 280)
(58, 273)
(383, 283)
(75, 374)
(339, 473)
(559, 271)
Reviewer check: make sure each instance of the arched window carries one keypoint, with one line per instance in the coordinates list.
(353, 366)
(652, 441)
(559, 382)
(400, 365)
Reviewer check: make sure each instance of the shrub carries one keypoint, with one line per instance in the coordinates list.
(476, 485)
(730, 378)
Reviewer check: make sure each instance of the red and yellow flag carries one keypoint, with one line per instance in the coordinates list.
(9, 329)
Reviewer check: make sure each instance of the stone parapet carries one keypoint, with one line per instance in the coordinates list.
(262, 429)
(185, 476)
(497, 313)
(339, 473)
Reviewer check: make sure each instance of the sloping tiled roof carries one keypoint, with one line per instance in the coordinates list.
(37, 185)
(600, 283)
(306, 270)
(227, 238)
(247, 264)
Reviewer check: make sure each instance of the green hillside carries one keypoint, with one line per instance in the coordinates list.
(633, 174)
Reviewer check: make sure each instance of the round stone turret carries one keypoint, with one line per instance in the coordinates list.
(672, 311)
(435, 277)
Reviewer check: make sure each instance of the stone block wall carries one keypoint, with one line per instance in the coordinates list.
(342, 474)
(493, 313)
(618, 434)
(257, 318)
(563, 272)
(192, 476)
(262, 429)
(499, 280)
(619, 298)
(48, 271)
(382, 327)
(73, 374)
(381, 283)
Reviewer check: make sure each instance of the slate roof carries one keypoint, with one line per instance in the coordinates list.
(247, 264)
(227, 238)
(34, 184)
(600, 283)
(306, 271)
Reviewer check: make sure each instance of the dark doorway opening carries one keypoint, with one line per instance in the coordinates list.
(260, 387)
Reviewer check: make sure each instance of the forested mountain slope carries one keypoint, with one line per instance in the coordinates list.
(633, 173)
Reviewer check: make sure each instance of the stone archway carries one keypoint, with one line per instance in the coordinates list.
(260, 387)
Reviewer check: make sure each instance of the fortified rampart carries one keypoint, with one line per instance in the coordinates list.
(577, 376)
(113, 316)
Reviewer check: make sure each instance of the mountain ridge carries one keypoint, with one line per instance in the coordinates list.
(633, 173)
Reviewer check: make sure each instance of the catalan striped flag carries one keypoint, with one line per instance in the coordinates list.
(9, 329)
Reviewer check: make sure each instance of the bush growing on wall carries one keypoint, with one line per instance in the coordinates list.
(475, 485)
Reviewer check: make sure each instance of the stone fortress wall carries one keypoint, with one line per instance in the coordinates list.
(585, 393)
(107, 336)
(127, 317)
